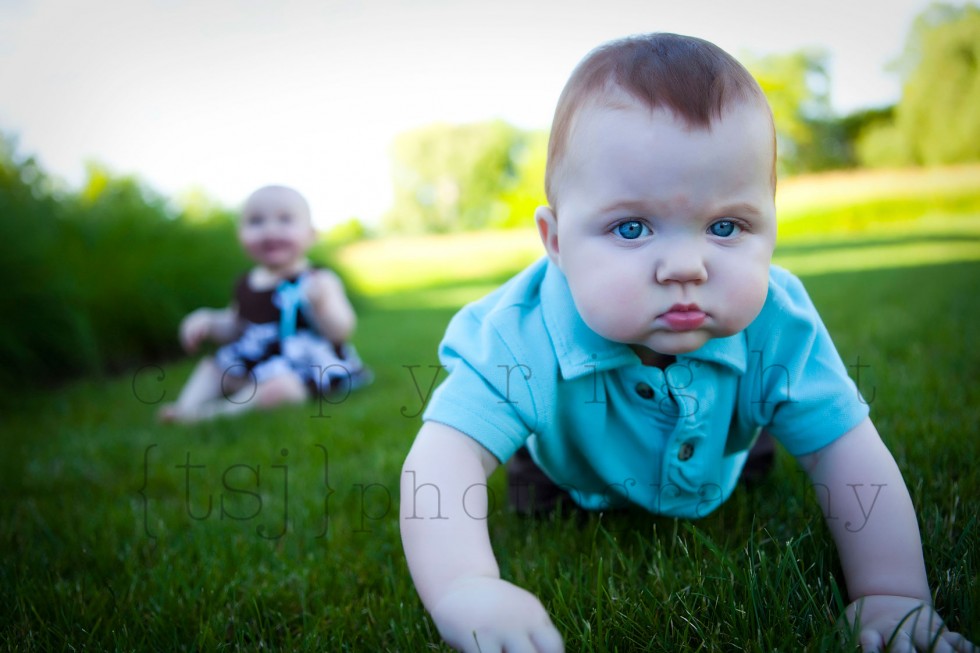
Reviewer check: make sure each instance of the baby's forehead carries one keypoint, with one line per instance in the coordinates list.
(275, 198)
(614, 98)
(600, 105)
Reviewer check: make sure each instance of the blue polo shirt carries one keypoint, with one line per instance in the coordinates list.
(525, 369)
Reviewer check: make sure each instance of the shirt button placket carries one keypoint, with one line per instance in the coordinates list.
(644, 390)
(685, 452)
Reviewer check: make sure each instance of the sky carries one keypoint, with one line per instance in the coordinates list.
(224, 96)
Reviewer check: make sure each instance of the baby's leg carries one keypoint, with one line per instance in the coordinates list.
(203, 385)
(762, 458)
(280, 389)
(532, 493)
(276, 391)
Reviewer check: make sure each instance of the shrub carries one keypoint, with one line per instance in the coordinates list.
(98, 280)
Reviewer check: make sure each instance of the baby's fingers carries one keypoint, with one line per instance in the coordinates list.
(542, 640)
(954, 642)
(944, 641)
(518, 644)
(899, 642)
(872, 641)
(547, 640)
(189, 336)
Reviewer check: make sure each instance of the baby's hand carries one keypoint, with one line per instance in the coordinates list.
(194, 329)
(489, 615)
(332, 311)
(322, 286)
(898, 623)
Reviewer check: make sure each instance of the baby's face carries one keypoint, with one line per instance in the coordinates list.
(665, 233)
(275, 229)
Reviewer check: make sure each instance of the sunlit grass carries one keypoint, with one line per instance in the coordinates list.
(929, 239)
(828, 223)
(876, 201)
(799, 196)
(390, 265)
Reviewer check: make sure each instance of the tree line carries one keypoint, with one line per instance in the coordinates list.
(450, 177)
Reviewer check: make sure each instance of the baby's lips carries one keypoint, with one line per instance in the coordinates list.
(684, 317)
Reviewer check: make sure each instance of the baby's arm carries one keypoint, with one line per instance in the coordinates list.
(218, 324)
(870, 514)
(444, 532)
(332, 310)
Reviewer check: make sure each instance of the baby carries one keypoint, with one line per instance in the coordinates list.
(286, 333)
(638, 362)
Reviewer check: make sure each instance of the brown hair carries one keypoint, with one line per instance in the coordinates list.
(694, 79)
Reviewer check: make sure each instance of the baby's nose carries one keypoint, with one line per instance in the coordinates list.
(681, 263)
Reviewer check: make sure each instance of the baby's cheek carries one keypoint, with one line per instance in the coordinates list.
(611, 310)
(746, 301)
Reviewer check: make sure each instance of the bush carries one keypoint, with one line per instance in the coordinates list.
(40, 331)
(98, 281)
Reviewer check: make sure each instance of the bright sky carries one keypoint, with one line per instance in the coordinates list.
(229, 95)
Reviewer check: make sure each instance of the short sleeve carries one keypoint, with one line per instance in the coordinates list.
(486, 394)
(798, 386)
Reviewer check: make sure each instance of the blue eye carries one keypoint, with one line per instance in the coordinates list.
(631, 229)
(724, 228)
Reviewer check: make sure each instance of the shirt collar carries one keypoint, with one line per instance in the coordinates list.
(581, 351)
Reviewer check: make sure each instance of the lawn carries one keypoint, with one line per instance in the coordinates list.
(279, 531)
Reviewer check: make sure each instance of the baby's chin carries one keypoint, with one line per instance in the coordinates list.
(675, 343)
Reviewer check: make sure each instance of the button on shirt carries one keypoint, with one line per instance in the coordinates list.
(525, 369)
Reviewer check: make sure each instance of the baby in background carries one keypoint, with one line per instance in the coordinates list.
(638, 361)
(285, 335)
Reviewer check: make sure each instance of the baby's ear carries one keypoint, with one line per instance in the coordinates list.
(547, 223)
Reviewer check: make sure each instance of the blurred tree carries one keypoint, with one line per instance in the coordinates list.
(936, 121)
(347, 232)
(196, 206)
(797, 86)
(450, 177)
(527, 192)
(491, 174)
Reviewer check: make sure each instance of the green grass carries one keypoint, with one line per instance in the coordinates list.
(828, 222)
(108, 544)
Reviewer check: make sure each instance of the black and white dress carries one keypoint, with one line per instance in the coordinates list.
(279, 337)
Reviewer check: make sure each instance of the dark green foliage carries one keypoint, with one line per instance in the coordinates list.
(99, 280)
(38, 330)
